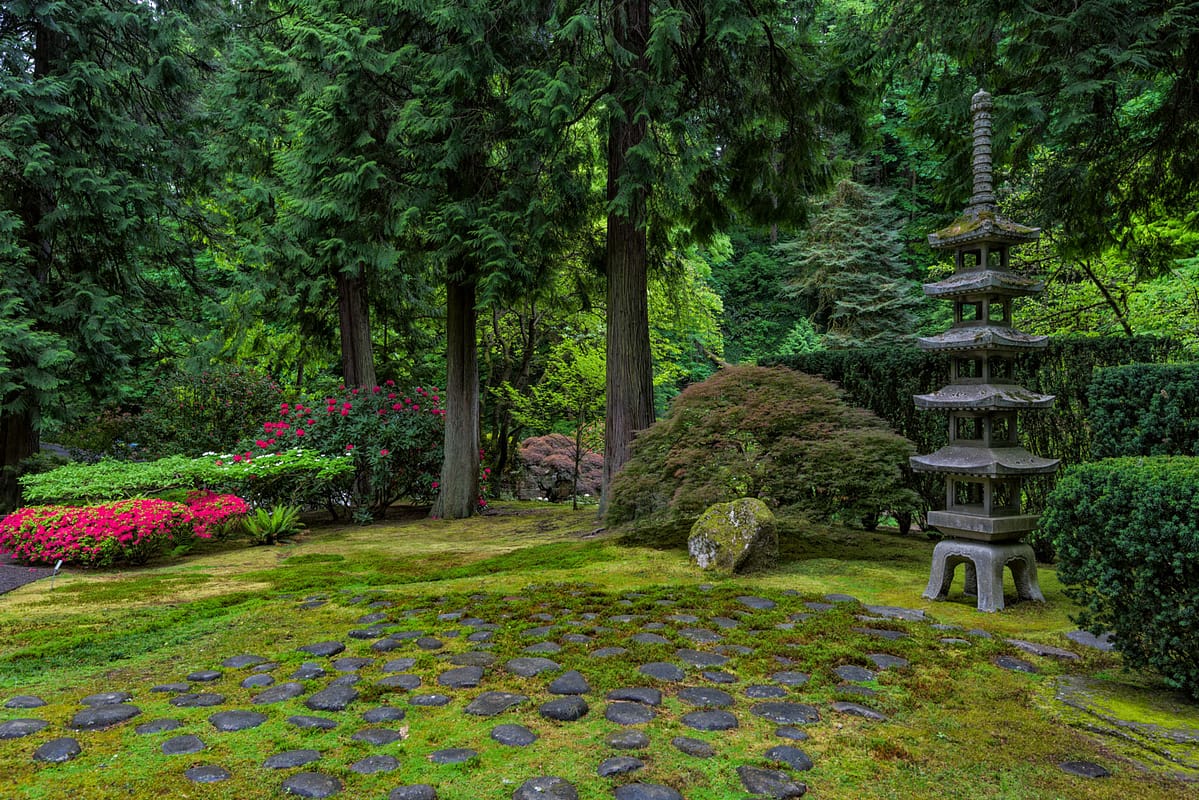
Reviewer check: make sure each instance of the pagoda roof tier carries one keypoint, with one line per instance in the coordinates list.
(984, 282)
(982, 337)
(979, 225)
(989, 462)
(983, 397)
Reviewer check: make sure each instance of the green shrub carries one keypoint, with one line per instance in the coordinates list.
(784, 437)
(1127, 536)
(267, 526)
(1145, 410)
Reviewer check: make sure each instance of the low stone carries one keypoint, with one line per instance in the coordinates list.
(769, 782)
(539, 631)
(628, 713)
(367, 633)
(312, 784)
(373, 764)
(429, 643)
(403, 681)
(453, 755)
(836, 597)
(662, 671)
(259, 681)
(1084, 769)
(472, 658)
(1015, 664)
(576, 638)
(791, 732)
(710, 720)
(701, 635)
(756, 603)
(324, 649)
(205, 676)
(719, 676)
(377, 736)
(646, 791)
(417, 791)
(884, 661)
(229, 721)
(351, 664)
(1044, 650)
(608, 652)
(896, 612)
(544, 648)
(383, 714)
(763, 691)
(277, 694)
(627, 739)
(882, 633)
(489, 704)
(185, 744)
(735, 537)
(791, 678)
(349, 679)
(1103, 643)
(571, 682)
(727, 623)
(546, 787)
(461, 677)
(513, 735)
(101, 717)
(291, 758)
(371, 619)
(429, 700)
(565, 709)
(705, 697)
(693, 747)
(209, 774)
(699, 658)
(855, 689)
(158, 726)
(979, 633)
(239, 662)
(786, 713)
(480, 636)
(855, 710)
(637, 694)
(648, 638)
(58, 750)
(25, 701)
(171, 688)
(618, 765)
(793, 757)
(399, 665)
(308, 671)
(307, 722)
(734, 649)
(852, 672)
(531, 667)
(335, 698)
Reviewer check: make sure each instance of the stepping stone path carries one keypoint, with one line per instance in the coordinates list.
(741, 668)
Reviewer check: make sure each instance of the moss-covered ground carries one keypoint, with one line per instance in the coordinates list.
(958, 725)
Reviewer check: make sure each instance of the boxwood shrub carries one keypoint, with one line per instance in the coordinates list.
(1145, 410)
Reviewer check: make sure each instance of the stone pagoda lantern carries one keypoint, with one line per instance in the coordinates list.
(983, 464)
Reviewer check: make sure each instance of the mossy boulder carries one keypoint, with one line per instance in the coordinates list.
(735, 537)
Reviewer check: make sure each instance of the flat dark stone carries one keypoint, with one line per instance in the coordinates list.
(790, 732)
(577, 638)
(618, 765)
(290, 759)
(471, 658)
(106, 699)
(852, 672)
(205, 675)
(417, 791)
(386, 645)
(764, 691)
(208, 774)
(308, 671)
(819, 607)
(367, 633)
(307, 722)
(648, 638)
(371, 619)
(705, 697)
(896, 612)
(885, 661)
(260, 681)
(646, 791)
(1015, 664)
(335, 698)
(769, 782)
(399, 665)
(238, 662)
(835, 597)
(490, 704)
(277, 694)
(407, 636)
(571, 682)
(882, 633)
(539, 631)
(701, 635)
(531, 666)
(158, 726)
(855, 710)
(608, 652)
(513, 735)
(544, 648)
(383, 714)
(453, 755)
(546, 787)
(429, 700)
(565, 709)
(627, 739)
(429, 643)
(699, 658)
(311, 784)
(324, 649)
(628, 713)
(1043, 650)
(312, 604)
(480, 636)
(718, 676)
(662, 671)
(377, 736)
(171, 688)
(58, 750)
(725, 622)
(183, 745)
(1103, 643)
(793, 757)
(637, 694)
(461, 677)
(25, 701)
(200, 700)
(734, 649)
(693, 747)
(791, 678)
(1084, 769)
(372, 764)
(756, 603)
(100, 717)
(351, 664)
(710, 720)
(404, 681)
(229, 721)
(786, 713)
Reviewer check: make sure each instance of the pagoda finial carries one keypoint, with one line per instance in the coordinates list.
(983, 198)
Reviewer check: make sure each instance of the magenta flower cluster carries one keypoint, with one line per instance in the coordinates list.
(123, 531)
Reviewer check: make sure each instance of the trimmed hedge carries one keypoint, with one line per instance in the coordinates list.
(1145, 410)
(1127, 536)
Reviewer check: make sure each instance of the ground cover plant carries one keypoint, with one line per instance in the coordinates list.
(418, 600)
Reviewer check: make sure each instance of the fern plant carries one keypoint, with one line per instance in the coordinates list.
(267, 526)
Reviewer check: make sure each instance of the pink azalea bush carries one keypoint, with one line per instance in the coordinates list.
(126, 531)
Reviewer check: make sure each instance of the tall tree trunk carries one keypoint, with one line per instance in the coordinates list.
(629, 379)
(459, 494)
(18, 441)
(357, 354)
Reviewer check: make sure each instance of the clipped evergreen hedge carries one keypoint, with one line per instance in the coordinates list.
(1127, 536)
(1145, 410)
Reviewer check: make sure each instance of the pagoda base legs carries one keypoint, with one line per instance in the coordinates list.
(984, 571)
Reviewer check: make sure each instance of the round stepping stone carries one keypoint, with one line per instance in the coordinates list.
(471, 658)
(323, 649)
(608, 652)
(370, 619)
(693, 747)
(786, 713)
(885, 661)
(311, 784)
(547, 787)
(480, 636)
(628, 739)
(429, 643)
(648, 638)
(852, 672)
(490, 704)
(576, 638)
(308, 671)
(291, 758)
(705, 697)
(531, 667)
(855, 710)
(725, 622)
(335, 698)
(769, 782)
(710, 720)
(881, 633)
(366, 633)
(383, 714)
(571, 682)
(1084, 769)
(58, 750)
(171, 688)
(308, 722)
(565, 709)
(205, 675)
(404, 681)
(763, 691)
(386, 645)
(399, 665)
(628, 713)
(637, 694)
(618, 765)
(548, 648)
(789, 732)
(182, 745)
(540, 630)
(701, 635)
(1103, 643)
(372, 764)
(101, 717)
(239, 662)
(201, 700)
(417, 791)
(756, 603)
(429, 700)
(718, 676)
(698, 658)
(461, 677)
(106, 699)
(351, 664)
(257, 681)
(25, 701)
(793, 757)
(453, 755)
(1015, 664)
(158, 726)
(207, 774)
(646, 791)
(513, 735)
(277, 694)
(377, 736)
(230, 721)
(662, 671)
(790, 678)
(683, 619)
(841, 598)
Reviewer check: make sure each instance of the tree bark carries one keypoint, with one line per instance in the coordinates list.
(629, 379)
(18, 441)
(357, 353)
(459, 490)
